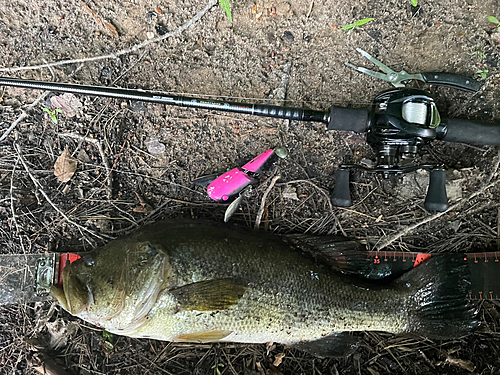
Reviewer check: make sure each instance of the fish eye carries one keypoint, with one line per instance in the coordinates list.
(88, 260)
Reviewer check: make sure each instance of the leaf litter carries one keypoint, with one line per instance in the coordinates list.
(65, 166)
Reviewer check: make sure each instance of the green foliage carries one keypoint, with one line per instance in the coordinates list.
(356, 24)
(483, 73)
(414, 3)
(226, 7)
(107, 341)
(480, 54)
(495, 21)
(52, 114)
(216, 368)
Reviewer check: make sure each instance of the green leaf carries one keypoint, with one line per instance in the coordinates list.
(47, 110)
(479, 53)
(483, 73)
(414, 3)
(357, 23)
(53, 118)
(494, 20)
(226, 7)
(107, 336)
(363, 21)
(347, 27)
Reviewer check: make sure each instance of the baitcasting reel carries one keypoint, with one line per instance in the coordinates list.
(400, 122)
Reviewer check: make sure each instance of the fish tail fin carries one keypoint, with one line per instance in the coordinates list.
(440, 305)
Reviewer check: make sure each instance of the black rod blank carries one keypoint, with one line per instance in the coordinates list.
(288, 113)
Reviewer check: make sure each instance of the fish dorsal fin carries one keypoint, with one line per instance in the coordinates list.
(202, 337)
(338, 344)
(210, 295)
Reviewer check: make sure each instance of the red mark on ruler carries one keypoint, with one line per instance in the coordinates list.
(421, 258)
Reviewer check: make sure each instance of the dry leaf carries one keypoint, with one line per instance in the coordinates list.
(68, 103)
(65, 166)
(111, 28)
(270, 346)
(260, 369)
(278, 358)
(289, 192)
(143, 207)
(463, 364)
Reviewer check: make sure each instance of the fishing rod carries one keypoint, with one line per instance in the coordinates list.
(397, 124)
(287, 113)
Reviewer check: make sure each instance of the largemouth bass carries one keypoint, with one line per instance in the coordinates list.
(204, 282)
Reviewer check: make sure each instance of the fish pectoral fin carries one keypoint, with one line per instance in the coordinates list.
(210, 295)
(337, 344)
(202, 337)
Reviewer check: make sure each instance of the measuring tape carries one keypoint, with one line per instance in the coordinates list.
(375, 265)
(484, 268)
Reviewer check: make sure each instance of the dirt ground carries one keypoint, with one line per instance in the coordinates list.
(241, 60)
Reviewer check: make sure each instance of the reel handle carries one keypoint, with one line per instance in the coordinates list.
(436, 198)
(341, 196)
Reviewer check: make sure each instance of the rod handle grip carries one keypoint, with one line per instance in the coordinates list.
(436, 198)
(349, 119)
(341, 196)
(467, 131)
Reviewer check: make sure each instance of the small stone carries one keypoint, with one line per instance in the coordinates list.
(287, 35)
(155, 147)
(496, 38)
(281, 152)
(150, 35)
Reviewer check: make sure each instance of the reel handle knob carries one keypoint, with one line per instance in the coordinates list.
(341, 195)
(436, 198)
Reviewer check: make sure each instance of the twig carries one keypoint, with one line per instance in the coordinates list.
(14, 221)
(437, 215)
(23, 115)
(125, 51)
(96, 143)
(361, 214)
(310, 9)
(263, 201)
(498, 229)
(40, 189)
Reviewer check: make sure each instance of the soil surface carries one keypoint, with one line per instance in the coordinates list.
(152, 153)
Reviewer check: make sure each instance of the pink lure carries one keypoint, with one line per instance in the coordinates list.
(231, 183)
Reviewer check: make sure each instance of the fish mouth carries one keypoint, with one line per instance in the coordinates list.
(57, 292)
